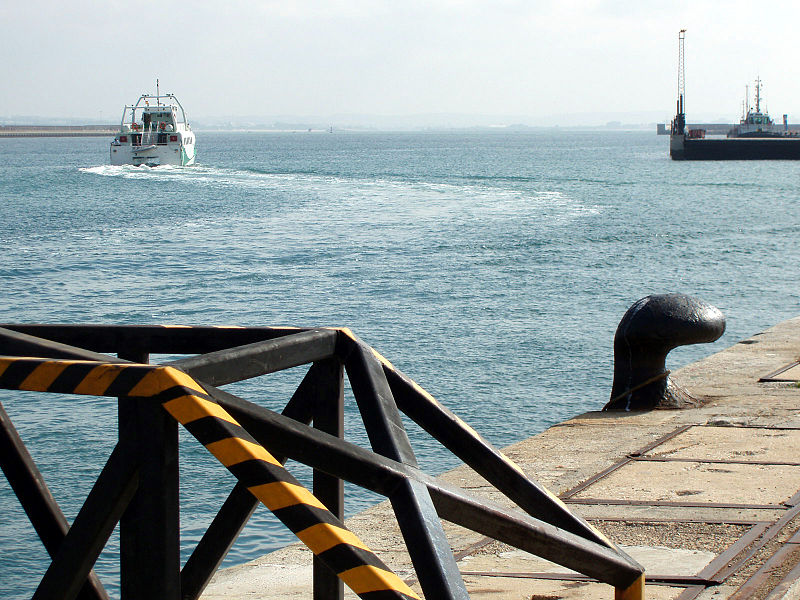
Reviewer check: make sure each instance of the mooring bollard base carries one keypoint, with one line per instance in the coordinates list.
(633, 592)
(647, 332)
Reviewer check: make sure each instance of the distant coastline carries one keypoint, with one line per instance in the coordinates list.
(28, 131)
(58, 130)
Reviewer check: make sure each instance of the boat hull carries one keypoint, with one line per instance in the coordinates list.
(772, 148)
(152, 156)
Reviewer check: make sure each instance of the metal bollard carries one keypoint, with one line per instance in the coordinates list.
(649, 330)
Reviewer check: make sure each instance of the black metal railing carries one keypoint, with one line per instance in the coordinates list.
(139, 485)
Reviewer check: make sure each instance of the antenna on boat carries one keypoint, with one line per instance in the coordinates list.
(758, 94)
(158, 94)
(747, 98)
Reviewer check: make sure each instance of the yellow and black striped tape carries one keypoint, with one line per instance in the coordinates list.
(186, 400)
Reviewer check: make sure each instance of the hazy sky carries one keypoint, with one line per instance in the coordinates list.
(399, 57)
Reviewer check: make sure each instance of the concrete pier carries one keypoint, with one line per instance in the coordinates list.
(706, 498)
(58, 130)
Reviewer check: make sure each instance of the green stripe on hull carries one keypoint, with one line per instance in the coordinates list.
(187, 160)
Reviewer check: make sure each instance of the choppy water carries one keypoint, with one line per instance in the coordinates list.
(491, 268)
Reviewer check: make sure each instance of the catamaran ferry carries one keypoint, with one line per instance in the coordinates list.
(154, 132)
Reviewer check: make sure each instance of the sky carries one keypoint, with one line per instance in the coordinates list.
(513, 60)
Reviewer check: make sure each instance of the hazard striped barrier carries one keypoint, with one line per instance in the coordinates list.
(264, 476)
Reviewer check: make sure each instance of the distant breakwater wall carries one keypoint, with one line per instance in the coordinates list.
(58, 130)
(712, 128)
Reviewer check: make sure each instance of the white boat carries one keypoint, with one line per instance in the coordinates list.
(154, 131)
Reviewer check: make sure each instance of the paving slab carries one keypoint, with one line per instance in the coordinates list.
(660, 514)
(720, 442)
(520, 588)
(500, 559)
(698, 482)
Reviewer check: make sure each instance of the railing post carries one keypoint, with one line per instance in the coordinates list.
(329, 417)
(633, 592)
(149, 528)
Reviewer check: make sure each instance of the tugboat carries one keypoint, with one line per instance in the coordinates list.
(153, 132)
(756, 137)
(755, 124)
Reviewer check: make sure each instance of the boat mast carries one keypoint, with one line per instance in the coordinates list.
(747, 97)
(758, 94)
(158, 94)
(680, 119)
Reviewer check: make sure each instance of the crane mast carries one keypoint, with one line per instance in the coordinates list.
(679, 124)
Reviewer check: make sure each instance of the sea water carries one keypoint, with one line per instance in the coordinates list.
(492, 268)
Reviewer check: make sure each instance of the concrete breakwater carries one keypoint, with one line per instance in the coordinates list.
(706, 498)
(58, 130)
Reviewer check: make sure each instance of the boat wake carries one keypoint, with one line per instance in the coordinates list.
(130, 171)
(480, 199)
